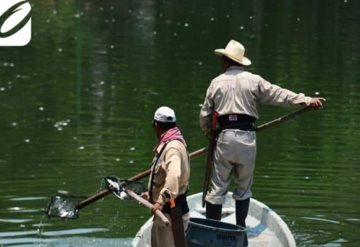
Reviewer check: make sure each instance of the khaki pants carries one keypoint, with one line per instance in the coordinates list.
(161, 234)
(234, 154)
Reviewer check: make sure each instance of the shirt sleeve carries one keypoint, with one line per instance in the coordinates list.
(172, 167)
(274, 95)
(206, 111)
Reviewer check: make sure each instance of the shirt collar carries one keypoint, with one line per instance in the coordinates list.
(235, 68)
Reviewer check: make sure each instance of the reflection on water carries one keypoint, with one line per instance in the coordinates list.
(68, 241)
(42, 236)
(77, 103)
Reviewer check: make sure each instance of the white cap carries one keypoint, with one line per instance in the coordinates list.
(165, 114)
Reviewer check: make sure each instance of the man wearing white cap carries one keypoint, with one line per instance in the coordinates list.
(169, 180)
(234, 96)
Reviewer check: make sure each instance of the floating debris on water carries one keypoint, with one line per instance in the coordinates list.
(6, 64)
(60, 124)
(15, 209)
(66, 214)
(63, 192)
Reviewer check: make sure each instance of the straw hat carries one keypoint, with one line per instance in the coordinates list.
(235, 51)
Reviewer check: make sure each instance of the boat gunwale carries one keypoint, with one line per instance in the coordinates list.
(265, 215)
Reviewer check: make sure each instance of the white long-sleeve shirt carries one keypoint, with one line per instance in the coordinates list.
(239, 92)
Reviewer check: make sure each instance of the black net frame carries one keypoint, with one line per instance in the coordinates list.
(67, 206)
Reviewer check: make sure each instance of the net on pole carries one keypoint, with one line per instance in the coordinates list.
(64, 206)
(67, 206)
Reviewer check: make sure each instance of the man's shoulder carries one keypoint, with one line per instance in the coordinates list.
(248, 73)
(176, 145)
(241, 73)
(251, 77)
(217, 78)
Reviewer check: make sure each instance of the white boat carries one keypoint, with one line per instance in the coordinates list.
(265, 228)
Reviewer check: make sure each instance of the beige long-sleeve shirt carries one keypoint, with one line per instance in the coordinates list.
(239, 92)
(171, 173)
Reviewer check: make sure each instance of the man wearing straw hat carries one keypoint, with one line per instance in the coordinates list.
(233, 96)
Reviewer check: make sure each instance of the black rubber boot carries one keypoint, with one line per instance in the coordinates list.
(242, 208)
(213, 211)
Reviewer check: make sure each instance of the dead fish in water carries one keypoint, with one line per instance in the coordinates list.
(63, 192)
(67, 214)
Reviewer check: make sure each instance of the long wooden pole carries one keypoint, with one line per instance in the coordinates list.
(261, 127)
(106, 192)
(194, 154)
(137, 177)
(147, 204)
(210, 157)
(283, 118)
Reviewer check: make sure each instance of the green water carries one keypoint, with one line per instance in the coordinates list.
(76, 105)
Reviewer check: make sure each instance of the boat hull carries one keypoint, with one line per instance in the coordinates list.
(265, 228)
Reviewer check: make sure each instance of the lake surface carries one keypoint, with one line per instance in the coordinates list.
(76, 105)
